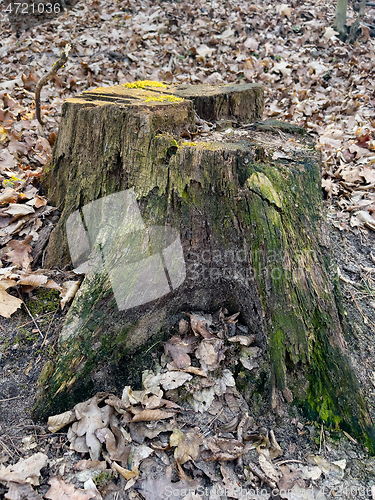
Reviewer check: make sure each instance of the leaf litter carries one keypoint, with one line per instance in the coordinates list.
(311, 79)
(157, 441)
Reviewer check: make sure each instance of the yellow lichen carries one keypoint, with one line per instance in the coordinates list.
(198, 144)
(163, 98)
(142, 84)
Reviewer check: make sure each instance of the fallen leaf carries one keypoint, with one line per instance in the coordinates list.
(25, 470)
(19, 491)
(90, 418)
(222, 449)
(172, 380)
(9, 195)
(17, 210)
(156, 489)
(33, 279)
(210, 353)
(60, 490)
(8, 303)
(179, 348)
(149, 415)
(187, 445)
(20, 252)
(269, 469)
(330, 33)
(68, 291)
(199, 326)
(284, 10)
(245, 340)
(57, 422)
(127, 474)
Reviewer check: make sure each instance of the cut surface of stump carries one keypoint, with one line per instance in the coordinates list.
(177, 199)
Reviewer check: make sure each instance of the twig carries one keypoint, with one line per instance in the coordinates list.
(365, 318)
(57, 65)
(32, 317)
(39, 317)
(206, 428)
(290, 461)
(8, 399)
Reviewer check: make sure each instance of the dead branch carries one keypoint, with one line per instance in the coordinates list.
(52, 72)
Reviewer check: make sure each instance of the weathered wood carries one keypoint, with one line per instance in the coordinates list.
(247, 207)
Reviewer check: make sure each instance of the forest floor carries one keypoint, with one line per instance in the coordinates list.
(312, 79)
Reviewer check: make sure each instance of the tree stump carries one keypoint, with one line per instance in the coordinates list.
(163, 221)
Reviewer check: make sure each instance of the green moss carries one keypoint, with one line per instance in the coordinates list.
(334, 396)
(261, 184)
(43, 301)
(46, 373)
(103, 478)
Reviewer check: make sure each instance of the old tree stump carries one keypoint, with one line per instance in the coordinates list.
(231, 217)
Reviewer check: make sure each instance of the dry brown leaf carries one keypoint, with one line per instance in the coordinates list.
(269, 469)
(19, 491)
(210, 352)
(222, 449)
(330, 187)
(289, 478)
(245, 340)
(33, 279)
(17, 210)
(172, 380)
(127, 474)
(57, 422)
(179, 348)
(284, 10)
(196, 371)
(53, 285)
(149, 415)
(60, 490)
(363, 218)
(25, 470)
(19, 254)
(9, 195)
(8, 303)
(90, 418)
(37, 202)
(183, 327)
(68, 291)
(116, 440)
(90, 464)
(230, 482)
(368, 174)
(155, 489)
(199, 326)
(187, 445)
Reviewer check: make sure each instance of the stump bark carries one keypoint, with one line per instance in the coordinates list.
(164, 220)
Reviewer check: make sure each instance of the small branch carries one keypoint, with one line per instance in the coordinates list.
(52, 72)
(33, 319)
